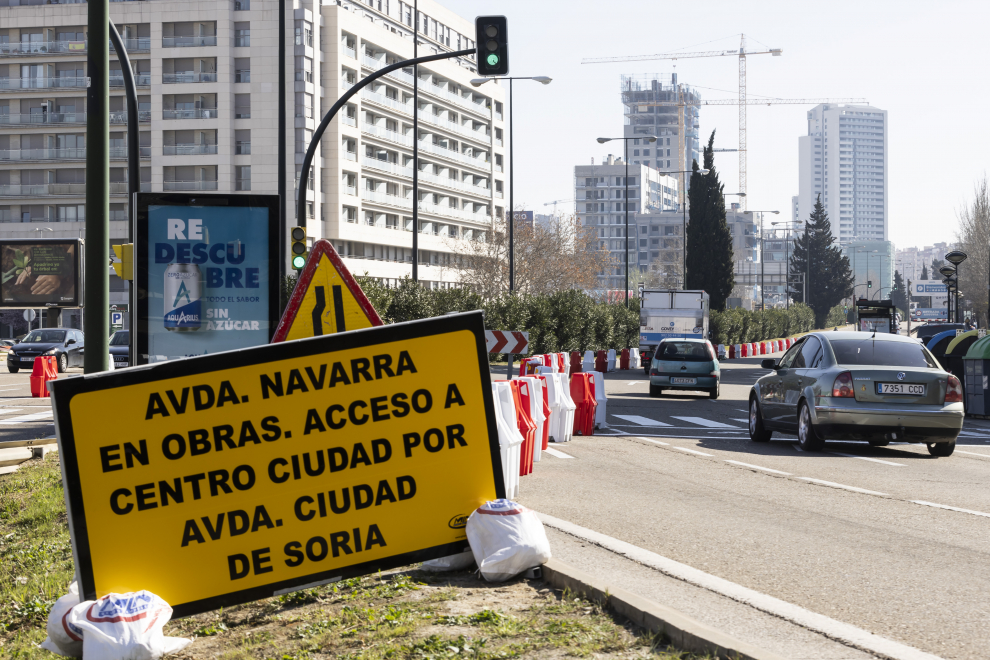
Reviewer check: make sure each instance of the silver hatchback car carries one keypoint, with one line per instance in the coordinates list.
(858, 386)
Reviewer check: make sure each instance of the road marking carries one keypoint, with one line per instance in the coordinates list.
(656, 442)
(741, 410)
(557, 453)
(952, 508)
(694, 451)
(866, 458)
(736, 419)
(33, 417)
(843, 487)
(843, 632)
(5, 411)
(757, 467)
(701, 421)
(641, 421)
(635, 382)
(972, 453)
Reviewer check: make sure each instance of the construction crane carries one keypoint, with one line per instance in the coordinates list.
(556, 201)
(742, 53)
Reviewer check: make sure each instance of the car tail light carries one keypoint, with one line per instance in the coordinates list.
(843, 386)
(953, 392)
(713, 373)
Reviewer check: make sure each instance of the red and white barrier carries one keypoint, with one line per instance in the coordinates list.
(531, 395)
(510, 440)
(600, 400)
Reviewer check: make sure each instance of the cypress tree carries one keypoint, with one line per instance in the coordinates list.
(831, 275)
(899, 293)
(709, 238)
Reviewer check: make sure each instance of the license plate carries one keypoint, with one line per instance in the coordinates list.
(27, 360)
(683, 381)
(900, 388)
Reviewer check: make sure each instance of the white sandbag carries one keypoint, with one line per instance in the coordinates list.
(459, 562)
(62, 639)
(506, 539)
(124, 627)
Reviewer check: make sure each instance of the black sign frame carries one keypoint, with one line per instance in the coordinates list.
(78, 268)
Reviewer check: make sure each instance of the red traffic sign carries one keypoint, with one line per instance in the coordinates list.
(504, 341)
(326, 300)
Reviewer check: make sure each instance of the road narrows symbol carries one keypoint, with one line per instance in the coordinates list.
(321, 304)
(338, 307)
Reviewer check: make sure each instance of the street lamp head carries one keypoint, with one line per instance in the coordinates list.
(651, 138)
(478, 82)
(603, 140)
(947, 270)
(956, 257)
(703, 172)
(543, 79)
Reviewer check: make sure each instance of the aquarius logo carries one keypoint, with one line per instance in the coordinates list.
(183, 291)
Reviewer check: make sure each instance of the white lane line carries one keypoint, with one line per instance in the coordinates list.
(737, 419)
(557, 453)
(6, 411)
(656, 442)
(694, 451)
(757, 467)
(33, 417)
(832, 484)
(641, 421)
(952, 508)
(701, 421)
(972, 453)
(843, 632)
(635, 382)
(866, 458)
(741, 410)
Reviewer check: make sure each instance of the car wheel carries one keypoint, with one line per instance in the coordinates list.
(807, 436)
(941, 448)
(757, 433)
(13, 370)
(655, 391)
(713, 393)
(63, 363)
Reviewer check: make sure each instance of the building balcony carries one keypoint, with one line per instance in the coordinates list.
(26, 48)
(44, 118)
(387, 200)
(78, 82)
(140, 79)
(350, 155)
(43, 190)
(453, 155)
(189, 185)
(385, 166)
(349, 121)
(189, 149)
(188, 42)
(192, 113)
(139, 45)
(68, 154)
(459, 129)
(120, 117)
(455, 184)
(242, 149)
(188, 77)
(382, 100)
(349, 52)
(385, 134)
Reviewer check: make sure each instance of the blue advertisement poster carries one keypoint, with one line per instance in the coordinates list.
(209, 279)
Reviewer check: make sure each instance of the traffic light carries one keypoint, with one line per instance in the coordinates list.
(869, 284)
(298, 247)
(124, 266)
(491, 35)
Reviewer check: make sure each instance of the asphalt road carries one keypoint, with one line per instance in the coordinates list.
(840, 532)
(23, 417)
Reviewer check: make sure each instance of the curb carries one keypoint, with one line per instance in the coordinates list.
(684, 632)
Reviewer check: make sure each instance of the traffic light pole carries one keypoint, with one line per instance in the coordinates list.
(327, 118)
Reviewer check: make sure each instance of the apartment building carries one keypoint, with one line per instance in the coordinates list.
(207, 81)
(843, 158)
(655, 227)
(911, 261)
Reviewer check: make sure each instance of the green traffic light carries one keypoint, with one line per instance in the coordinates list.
(298, 261)
(492, 59)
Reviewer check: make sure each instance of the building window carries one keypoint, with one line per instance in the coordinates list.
(243, 174)
(242, 106)
(242, 34)
(242, 69)
(242, 5)
(304, 33)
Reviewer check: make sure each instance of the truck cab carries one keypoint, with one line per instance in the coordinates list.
(670, 313)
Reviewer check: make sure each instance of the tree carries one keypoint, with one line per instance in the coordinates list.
(974, 227)
(898, 295)
(554, 256)
(831, 276)
(663, 273)
(709, 238)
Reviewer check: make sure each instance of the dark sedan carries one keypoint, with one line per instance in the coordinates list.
(65, 344)
(120, 349)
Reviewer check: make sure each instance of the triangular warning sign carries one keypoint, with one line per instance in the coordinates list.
(326, 299)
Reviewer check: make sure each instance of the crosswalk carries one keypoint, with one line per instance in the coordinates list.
(682, 422)
(21, 419)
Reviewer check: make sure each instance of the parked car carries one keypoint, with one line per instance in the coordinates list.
(684, 364)
(65, 344)
(5, 344)
(120, 349)
(858, 386)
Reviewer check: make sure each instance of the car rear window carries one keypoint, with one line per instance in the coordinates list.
(683, 351)
(868, 351)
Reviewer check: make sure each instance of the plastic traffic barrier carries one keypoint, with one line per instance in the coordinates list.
(531, 394)
(744, 350)
(601, 361)
(583, 395)
(610, 357)
(562, 365)
(510, 440)
(560, 426)
(634, 362)
(575, 363)
(527, 366)
(588, 363)
(545, 401)
(44, 370)
(624, 359)
(600, 400)
(527, 427)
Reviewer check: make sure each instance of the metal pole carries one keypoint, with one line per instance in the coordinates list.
(97, 324)
(763, 286)
(787, 273)
(512, 210)
(957, 291)
(282, 186)
(415, 190)
(625, 144)
(807, 279)
(683, 235)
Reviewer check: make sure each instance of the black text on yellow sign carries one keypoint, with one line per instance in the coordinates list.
(233, 476)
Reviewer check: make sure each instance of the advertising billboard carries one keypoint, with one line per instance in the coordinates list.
(933, 288)
(206, 274)
(41, 272)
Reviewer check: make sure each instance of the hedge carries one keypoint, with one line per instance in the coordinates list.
(563, 321)
(739, 326)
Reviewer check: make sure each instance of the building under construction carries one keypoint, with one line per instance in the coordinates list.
(672, 151)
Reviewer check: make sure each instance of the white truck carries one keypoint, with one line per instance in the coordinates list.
(670, 313)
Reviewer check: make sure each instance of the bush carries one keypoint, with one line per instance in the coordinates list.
(739, 326)
(837, 316)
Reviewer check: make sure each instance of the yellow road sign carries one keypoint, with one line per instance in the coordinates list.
(326, 300)
(236, 476)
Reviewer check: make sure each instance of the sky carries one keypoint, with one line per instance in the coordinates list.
(923, 62)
